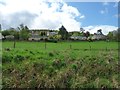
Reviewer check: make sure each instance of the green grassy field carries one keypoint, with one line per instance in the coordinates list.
(62, 45)
(81, 65)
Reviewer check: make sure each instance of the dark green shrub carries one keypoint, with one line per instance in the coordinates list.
(52, 40)
(27, 56)
(51, 54)
(74, 66)
(63, 64)
(6, 58)
(19, 58)
(7, 49)
(32, 53)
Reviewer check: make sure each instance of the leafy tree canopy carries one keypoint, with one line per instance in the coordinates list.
(63, 32)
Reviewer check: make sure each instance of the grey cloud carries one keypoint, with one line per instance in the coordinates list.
(17, 18)
(2, 3)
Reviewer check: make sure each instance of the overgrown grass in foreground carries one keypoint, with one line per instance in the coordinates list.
(30, 65)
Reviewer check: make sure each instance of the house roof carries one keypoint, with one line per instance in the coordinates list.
(39, 30)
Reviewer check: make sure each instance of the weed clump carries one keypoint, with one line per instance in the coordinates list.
(58, 64)
(6, 58)
(32, 53)
(19, 58)
(39, 66)
(7, 49)
(74, 66)
(51, 54)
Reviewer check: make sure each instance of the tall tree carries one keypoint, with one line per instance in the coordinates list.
(24, 32)
(114, 35)
(82, 30)
(5, 33)
(63, 32)
(110, 36)
(99, 32)
(87, 34)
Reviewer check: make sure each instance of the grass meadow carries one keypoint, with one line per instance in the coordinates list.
(60, 65)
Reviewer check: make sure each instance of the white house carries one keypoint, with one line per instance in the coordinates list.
(37, 37)
(1, 36)
(41, 34)
(9, 37)
(78, 37)
(98, 37)
(52, 33)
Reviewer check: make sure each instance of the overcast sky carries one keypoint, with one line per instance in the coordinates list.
(41, 14)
